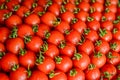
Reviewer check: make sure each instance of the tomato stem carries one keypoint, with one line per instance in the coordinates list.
(92, 9)
(22, 52)
(82, 40)
(44, 47)
(13, 33)
(115, 30)
(77, 2)
(34, 5)
(116, 21)
(62, 9)
(40, 59)
(77, 56)
(107, 10)
(107, 3)
(91, 66)
(73, 72)
(62, 44)
(35, 28)
(98, 54)
(47, 34)
(65, 1)
(27, 39)
(109, 55)
(3, 6)
(102, 32)
(58, 59)
(49, 3)
(118, 67)
(74, 20)
(86, 31)
(113, 46)
(16, 7)
(98, 42)
(27, 13)
(7, 15)
(89, 19)
(107, 75)
(76, 10)
(103, 18)
(57, 22)
(67, 32)
(93, 1)
(51, 74)
(2, 54)
(29, 72)
(15, 67)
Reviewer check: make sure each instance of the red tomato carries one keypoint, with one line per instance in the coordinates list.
(57, 75)
(116, 34)
(109, 15)
(108, 25)
(2, 47)
(20, 73)
(38, 75)
(98, 6)
(70, 7)
(27, 3)
(85, 6)
(81, 60)
(14, 45)
(115, 45)
(9, 62)
(96, 15)
(3, 76)
(63, 63)
(76, 74)
(111, 7)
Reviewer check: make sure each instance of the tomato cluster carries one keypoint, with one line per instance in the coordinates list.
(59, 40)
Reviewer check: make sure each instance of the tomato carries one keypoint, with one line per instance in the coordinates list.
(96, 15)
(12, 21)
(102, 46)
(3, 76)
(98, 59)
(73, 36)
(112, 2)
(67, 48)
(4, 33)
(92, 72)
(63, 63)
(85, 6)
(108, 25)
(79, 26)
(8, 62)
(116, 34)
(20, 73)
(76, 74)
(118, 68)
(81, 60)
(42, 2)
(57, 75)
(86, 46)
(91, 35)
(111, 7)
(2, 47)
(14, 45)
(25, 30)
(38, 10)
(45, 64)
(100, 1)
(109, 15)
(113, 58)
(32, 19)
(115, 45)
(70, 7)
(38, 75)
(33, 43)
(108, 71)
(27, 3)
(27, 58)
(55, 37)
(41, 30)
(98, 6)
(105, 35)
(117, 25)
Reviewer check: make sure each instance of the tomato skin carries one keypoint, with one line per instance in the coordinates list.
(8, 61)
(85, 6)
(96, 15)
(70, 7)
(3, 76)
(73, 37)
(4, 33)
(47, 65)
(109, 68)
(116, 34)
(115, 45)
(34, 44)
(14, 45)
(25, 30)
(27, 3)
(83, 62)
(12, 21)
(19, 74)
(86, 47)
(32, 19)
(38, 75)
(59, 75)
(113, 58)
(2, 47)
(42, 2)
(108, 25)
(78, 76)
(55, 37)
(27, 59)
(65, 64)
(98, 6)
(109, 16)
(102, 46)
(37, 9)
(112, 8)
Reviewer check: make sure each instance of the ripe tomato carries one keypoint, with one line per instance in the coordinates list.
(63, 63)
(70, 7)
(20, 73)
(2, 47)
(96, 15)
(81, 60)
(57, 75)
(38, 75)
(14, 45)
(108, 25)
(85, 6)
(109, 15)
(3, 76)
(76, 74)
(116, 34)
(115, 45)
(27, 3)
(33, 43)
(92, 72)
(27, 58)
(112, 8)
(98, 59)
(4, 33)
(8, 62)
(45, 64)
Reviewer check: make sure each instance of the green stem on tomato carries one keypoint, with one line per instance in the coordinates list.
(103, 32)
(7, 15)
(115, 30)
(22, 52)
(15, 67)
(2, 54)
(35, 28)
(56, 22)
(58, 59)
(86, 31)
(27, 39)
(44, 47)
(40, 59)
(98, 43)
(73, 72)
(16, 7)
(107, 75)
(3, 6)
(91, 66)
(51, 74)
(62, 44)
(113, 46)
(98, 54)
(89, 19)
(74, 20)
(27, 13)
(13, 33)
(47, 34)
(62, 9)
(34, 5)
(77, 56)
(76, 10)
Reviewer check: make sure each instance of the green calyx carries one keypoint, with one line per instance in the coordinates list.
(116, 21)
(93, 1)
(118, 3)
(2, 54)
(107, 75)
(27, 14)
(118, 67)
(13, 33)
(34, 5)
(44, 47)
(62, 9)
(51, 74)
(107, 10)
(56, 22)
(113, 46)
(77, 2)
(47, 34)
(35, 28)
(98, 43)
(115, 30)
(103, 18)
(77, 56)
(73, 72)
(89, 19)
(16, 7)
(62, 44)
(91, 66)
(76, 10)
(49, 3)
(98, 54)
(7, 15)
(118, 78)
(74, 20)
(3, 6)
(67, 32)
(81, 41)
(65, 1)
(107, 3)
(7, 0)
(29, 72)
(86, 31)
(110, 56)
(92, 9)
(27, 39)
(15, 67)
(58, 59)
(40, 13)
(40, 58)
(102, 32)
(22, 52)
